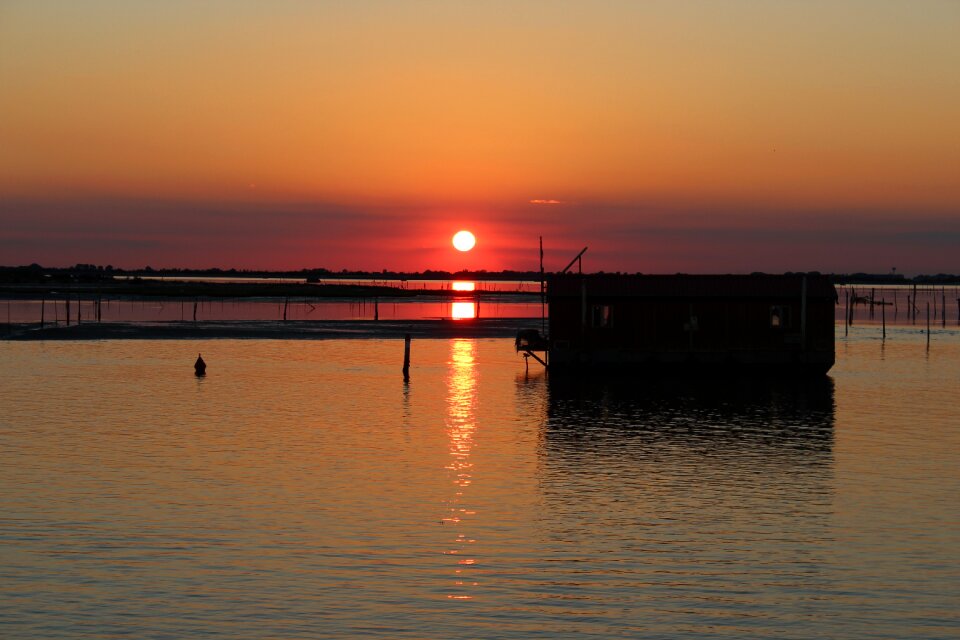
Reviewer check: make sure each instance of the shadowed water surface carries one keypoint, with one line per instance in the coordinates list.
(302, 490)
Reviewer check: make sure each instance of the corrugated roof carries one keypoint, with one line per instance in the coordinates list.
(691, 286)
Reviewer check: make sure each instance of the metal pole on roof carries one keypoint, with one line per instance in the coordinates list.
(577, 257)
(803, 313)
(543, 300)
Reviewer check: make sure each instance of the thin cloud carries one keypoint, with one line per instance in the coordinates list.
(541, 201)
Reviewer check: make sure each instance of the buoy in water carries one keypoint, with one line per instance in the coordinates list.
(200, 367)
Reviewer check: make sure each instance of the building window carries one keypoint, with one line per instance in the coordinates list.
(601, 316)
(778, 317)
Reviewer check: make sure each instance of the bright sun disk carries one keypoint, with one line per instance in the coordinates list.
(464, 241)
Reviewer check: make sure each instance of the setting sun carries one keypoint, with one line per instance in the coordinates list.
(464, 241)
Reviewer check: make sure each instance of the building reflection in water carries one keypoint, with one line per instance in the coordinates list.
(676, 479)
(461, 425)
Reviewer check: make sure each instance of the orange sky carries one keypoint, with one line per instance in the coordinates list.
(140, 132)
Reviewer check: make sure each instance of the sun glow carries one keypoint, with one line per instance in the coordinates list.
(464, 241)
(464, 286)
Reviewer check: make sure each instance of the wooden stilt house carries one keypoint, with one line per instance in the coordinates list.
(769, 324)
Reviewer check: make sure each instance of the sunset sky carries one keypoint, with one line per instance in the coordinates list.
(715, 136)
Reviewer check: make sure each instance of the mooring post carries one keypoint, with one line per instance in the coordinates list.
(79, 304)
(883, 314)
(406, 357)
(66, 302)
(914, 309)
(943, 306)
(928, 325)
(846, 316)
(43, 308)
(376, 309)
(194, 311)
(286, 301)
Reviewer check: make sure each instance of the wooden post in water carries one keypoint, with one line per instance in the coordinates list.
(79, 304)
(914, 309)
(928, 325)
(194, 311)
(66, 301)
(943, 307)
(286, 301)
(406, 357)
(376, 309)
(883, 314)
(43, 309)
(846, 315)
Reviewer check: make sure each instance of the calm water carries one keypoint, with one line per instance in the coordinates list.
(301, 490)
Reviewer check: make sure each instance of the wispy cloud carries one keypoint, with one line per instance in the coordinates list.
(542, 201)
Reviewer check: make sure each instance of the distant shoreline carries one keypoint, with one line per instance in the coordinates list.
(266, 330)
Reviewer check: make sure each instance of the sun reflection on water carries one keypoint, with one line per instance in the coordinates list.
(463, 310)
(461, 425)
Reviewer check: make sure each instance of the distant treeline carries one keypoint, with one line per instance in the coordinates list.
(36, 273)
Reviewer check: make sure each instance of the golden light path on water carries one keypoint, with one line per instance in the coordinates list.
(304, 489)
(461, 424)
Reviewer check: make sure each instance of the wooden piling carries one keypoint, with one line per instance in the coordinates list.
(66, 301)
(406, 357)
(194, 310)
(914, 309)
(943, 307)
(43, 309)
(928, 325)
(286, 301)
(883, 314)
(846, 316)
(376, 309)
